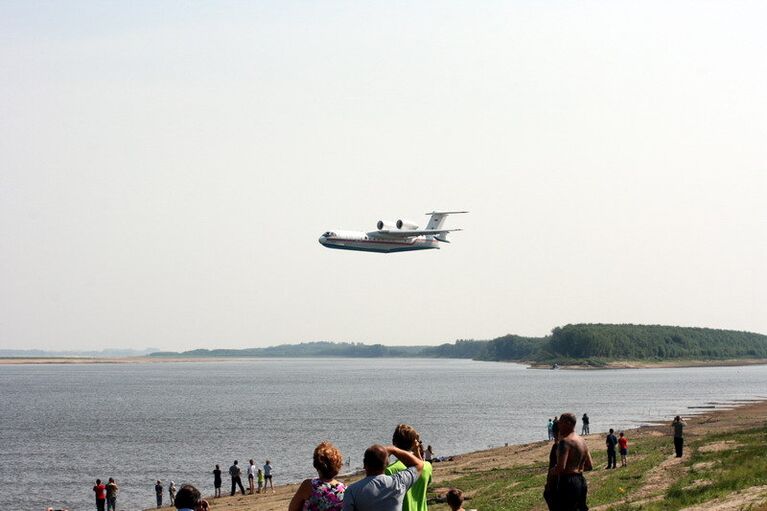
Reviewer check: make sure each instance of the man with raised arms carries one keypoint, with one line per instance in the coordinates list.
(378, 491)
(573, 458)
(406, 438)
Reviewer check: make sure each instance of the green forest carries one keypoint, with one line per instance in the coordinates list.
(604, 342)
(592, 344)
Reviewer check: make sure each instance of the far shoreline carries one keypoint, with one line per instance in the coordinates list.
(615, 364)
(648, 364)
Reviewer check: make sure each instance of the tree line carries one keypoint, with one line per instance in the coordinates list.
(590, 343)
(604, 342)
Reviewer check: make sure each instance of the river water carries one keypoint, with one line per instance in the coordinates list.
(62, 426)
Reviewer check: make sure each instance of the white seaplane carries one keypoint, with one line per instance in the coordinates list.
(399, 236)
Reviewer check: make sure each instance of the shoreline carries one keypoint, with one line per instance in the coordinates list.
(728, 416)
(113, 360)
(661, 364)
(617, 364)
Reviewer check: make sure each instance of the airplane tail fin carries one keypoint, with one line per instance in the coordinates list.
(437, 220)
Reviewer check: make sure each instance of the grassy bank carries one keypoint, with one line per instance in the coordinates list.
(724, 468)
(728, 466)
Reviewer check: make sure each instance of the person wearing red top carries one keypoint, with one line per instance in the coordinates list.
(623, 444)
(101, 495)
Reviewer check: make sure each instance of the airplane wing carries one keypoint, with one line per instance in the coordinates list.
(410, 234)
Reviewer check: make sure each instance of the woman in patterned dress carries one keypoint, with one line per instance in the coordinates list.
(322, 493)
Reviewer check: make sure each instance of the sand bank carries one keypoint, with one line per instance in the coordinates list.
(645, 364)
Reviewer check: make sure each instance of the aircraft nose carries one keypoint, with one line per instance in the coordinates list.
(322, 240)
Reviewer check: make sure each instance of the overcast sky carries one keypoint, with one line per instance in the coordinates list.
(167, 167)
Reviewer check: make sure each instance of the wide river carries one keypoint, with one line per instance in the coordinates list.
(63, 426)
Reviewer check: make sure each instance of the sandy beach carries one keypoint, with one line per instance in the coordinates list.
(109, 360)
(727, 419)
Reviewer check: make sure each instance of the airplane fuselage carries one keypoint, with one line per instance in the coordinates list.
(399, 236)
(374, 242)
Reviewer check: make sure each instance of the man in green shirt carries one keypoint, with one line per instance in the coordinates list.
(406, 438)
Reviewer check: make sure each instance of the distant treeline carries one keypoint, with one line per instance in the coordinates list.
(598, 342)
(306, 349)
(583, 343)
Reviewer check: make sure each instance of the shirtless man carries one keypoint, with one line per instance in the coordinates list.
(573, 458)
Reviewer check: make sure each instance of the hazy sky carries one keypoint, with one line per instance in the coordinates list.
(167, 167)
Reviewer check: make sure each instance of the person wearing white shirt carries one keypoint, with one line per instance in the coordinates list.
(252, 477)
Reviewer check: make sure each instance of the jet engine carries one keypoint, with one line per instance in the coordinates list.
(406, 225)
(385, 225)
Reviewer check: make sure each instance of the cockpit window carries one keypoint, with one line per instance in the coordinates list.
(329, 234)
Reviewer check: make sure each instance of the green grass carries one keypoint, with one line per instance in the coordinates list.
(608, 486)
(520, 488)
(740, 466)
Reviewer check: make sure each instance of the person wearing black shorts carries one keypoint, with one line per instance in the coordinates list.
(268, 475)
(573, 458)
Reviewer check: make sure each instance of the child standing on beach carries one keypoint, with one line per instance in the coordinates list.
(260, 477)
(623, 444)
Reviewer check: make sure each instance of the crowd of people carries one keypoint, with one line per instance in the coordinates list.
(566, 488)
(261, 476)
(402, 485)
(398, 486)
